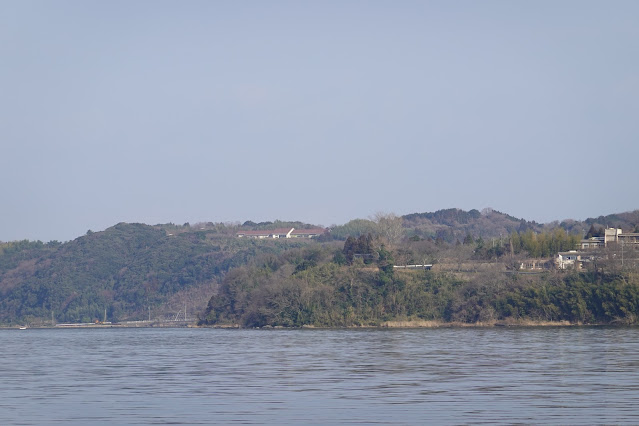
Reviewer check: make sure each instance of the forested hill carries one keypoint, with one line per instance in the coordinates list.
(449, 225)
(454, 224)
(125, 269)
(323, 287)
(626, 220)
(137, 270)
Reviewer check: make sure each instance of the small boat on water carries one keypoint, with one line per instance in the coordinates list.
(24, 327)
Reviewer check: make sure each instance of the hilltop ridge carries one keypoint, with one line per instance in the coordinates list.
(137, 271)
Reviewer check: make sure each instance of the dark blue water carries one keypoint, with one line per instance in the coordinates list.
(409, 376)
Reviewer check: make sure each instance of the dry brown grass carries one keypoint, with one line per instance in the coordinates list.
(504, 323)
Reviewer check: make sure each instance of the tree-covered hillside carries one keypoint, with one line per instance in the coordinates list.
(126, 270)
(454, 224)
(343, 277)
(325, 287)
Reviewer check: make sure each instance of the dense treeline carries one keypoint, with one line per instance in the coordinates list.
(308, 287)
(126, 270)
(451, 225)
(628, 221)
(13, 253)
(346, 277)
(544, 244)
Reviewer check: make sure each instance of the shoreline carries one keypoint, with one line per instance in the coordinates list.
(479, 324)
(132, 324)
(399, 324)
(429, 324)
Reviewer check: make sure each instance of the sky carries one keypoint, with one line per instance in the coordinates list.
(319, 111)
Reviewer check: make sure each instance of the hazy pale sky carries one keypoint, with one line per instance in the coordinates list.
(324, 111)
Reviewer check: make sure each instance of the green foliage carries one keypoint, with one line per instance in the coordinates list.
(595, 231)
(129, 267)
(451, 225)
(544, 244)
(355, 228)
(447, 216)
(125, 269)
(576, 298)
(14, 253)
(361, 247)
(310, 288)
(468, 239)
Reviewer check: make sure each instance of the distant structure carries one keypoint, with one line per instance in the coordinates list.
(426, 267)
(534, 264)
(282, 233)
(611, 236)
(588, 248)
(567, 259)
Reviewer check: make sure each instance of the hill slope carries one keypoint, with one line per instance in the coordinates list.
(454, 224)
(132, 270)
(125, 269)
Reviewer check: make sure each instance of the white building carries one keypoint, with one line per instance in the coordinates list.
(567, 259)
(282, 233)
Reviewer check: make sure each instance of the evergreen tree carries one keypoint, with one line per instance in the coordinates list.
(350, 246)
(468, 239)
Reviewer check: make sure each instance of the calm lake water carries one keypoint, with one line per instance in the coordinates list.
(406, 376)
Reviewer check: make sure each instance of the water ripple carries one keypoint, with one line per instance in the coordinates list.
(204, 376)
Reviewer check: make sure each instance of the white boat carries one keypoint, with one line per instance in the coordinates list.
(24, 327)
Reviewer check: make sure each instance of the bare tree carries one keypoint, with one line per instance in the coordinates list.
(390, 227)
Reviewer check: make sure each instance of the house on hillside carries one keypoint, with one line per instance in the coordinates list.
(613, 245)
(282, 233)
(568, 259)
(575, 259)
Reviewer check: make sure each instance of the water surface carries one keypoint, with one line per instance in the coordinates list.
(568, 375)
